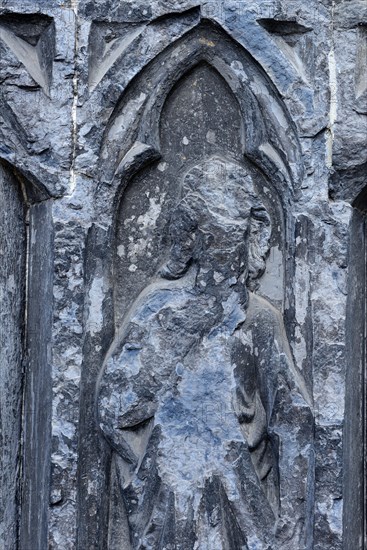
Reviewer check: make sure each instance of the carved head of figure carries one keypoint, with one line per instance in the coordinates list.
(220, 223)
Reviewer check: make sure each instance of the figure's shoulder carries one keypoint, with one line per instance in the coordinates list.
(157, 296)
(144, 314)
(151, 300)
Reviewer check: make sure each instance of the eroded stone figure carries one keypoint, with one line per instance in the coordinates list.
(199, 397)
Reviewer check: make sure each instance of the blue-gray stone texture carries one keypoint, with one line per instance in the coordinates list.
(183, 191)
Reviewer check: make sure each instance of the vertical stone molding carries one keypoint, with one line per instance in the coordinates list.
(13, 281)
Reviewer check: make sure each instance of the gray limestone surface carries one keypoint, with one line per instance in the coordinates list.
(183, 192)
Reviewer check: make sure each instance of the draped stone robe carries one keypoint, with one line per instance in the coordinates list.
(208, 417)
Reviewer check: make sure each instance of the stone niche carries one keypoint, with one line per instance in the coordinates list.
(182, 276)
(213, 139)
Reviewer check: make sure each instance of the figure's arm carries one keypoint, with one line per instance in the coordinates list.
(295, 374)
(271, 398)
(252, 401)
(126, 397)
(290, 422)
(247, 403)
(270, 331)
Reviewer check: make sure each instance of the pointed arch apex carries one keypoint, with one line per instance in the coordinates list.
(270, 135)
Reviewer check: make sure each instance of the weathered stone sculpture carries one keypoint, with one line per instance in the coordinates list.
(151, 395)
(199, 396)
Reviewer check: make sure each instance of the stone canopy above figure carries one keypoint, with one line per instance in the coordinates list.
(199, 392)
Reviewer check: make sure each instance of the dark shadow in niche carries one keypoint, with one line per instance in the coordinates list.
(107, 42)
(31, 38)
(25, 400)
(355, 436)
(283, 27)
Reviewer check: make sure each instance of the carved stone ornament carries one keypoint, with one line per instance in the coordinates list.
(199, 396)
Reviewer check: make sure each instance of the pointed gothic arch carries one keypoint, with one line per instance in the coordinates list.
(270, 135)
